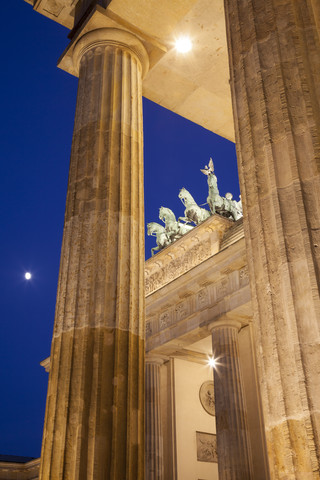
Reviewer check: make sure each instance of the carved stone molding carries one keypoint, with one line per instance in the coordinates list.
(61, 11)
(202, 300)
(26, 471)
(94, 31)
(195, 247)
(54, 7)
(181, 306)
(46, 364)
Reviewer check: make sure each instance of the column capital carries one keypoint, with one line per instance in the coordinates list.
(71, 58)
(155, 358)
(225, 321)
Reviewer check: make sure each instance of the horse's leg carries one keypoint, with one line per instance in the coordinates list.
(184, 219)
(211, 205)
(153, 250)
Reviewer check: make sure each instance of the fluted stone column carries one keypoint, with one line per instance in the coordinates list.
(94, 423)
(274, 52)
(154, 437)
(233, 445)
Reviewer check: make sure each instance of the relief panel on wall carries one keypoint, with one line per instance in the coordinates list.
(206, 395)
(206, 447)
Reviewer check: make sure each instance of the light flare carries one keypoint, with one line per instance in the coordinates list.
(212, 362)
(183, 44)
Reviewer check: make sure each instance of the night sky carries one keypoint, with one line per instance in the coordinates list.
(37, 113)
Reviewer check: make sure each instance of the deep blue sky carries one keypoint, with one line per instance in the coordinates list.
(37, 112)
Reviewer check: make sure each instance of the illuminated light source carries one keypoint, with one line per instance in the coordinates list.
(183, 44)
(27, 275)
(212, 362)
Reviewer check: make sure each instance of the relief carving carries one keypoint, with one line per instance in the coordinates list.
(244, 276)
(203, 298)
(148, 329)
(182, 310)
(164, 320)
(206, 395)
(54, 7)
(177, 266)
(222, 288)
(206, 447)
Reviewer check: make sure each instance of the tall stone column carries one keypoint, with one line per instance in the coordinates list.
(94, 423)
(233, 444)
(274, 53)
(154, 437)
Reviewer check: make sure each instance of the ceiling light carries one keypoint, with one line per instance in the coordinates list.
(212, 362)
(183, 44)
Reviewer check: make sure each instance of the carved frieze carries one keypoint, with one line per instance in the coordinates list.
(203, 299)
(191, 301)
(182, 310)
(177, 267)
(194, 248)
(206, 447)
(222, 288)
(244, 276)
(164, 320)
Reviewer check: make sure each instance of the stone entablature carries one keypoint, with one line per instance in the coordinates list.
(21, 471)
(186, 253)
(206, 283)
(199, 278)
(60, 11)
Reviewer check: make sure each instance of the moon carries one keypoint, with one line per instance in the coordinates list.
(27, 275)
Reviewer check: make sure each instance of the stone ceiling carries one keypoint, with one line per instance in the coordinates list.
(194, 85)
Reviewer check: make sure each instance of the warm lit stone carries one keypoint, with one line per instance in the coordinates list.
(96, 380)
(94, 425)
(274, 53)
(233, 444)
(154, 438)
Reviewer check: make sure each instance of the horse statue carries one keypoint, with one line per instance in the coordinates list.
(193, 213)
(238, 207)
(214, 200)
(225, 206)
(174, 229)
(156, 230)
(232, 207)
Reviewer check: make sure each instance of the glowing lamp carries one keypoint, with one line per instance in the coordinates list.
(183, 44)
(212, 362)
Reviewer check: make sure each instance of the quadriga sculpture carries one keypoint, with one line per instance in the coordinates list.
(156, 230)
(214, 200)
(232, 207)
(174, 229)
(193, 213)
(225, 206)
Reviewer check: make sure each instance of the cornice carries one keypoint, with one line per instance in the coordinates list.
(201, 243)
(28, 470)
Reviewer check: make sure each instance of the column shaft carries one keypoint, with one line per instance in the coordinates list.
(94, 424)
(233, 445)
(154, 437)
(274, 53)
